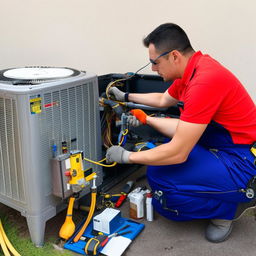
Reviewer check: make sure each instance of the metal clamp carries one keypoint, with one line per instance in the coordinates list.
(251, 188)
(158, 195)
(249, 193)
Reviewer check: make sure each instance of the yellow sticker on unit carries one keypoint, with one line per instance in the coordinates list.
(36, 105)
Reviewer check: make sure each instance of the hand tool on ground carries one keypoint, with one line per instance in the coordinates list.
(125, 190)
(108, 200)
(104, 200)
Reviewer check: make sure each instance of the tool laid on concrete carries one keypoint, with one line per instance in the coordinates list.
(118, 233)
(125, 190)
(107, 200)
(104, 200)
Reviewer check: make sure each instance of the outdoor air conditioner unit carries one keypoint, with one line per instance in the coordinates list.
(43, 111)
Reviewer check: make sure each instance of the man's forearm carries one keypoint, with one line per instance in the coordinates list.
(159, 100)
(150, 99)
(166, 126)
(174, 152)
(161, 155)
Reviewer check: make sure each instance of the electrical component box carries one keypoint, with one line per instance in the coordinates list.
(107, 221)
(60, 165)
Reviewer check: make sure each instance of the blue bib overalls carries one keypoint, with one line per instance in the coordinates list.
(209, 185)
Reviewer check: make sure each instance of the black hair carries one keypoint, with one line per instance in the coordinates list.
(168, 37)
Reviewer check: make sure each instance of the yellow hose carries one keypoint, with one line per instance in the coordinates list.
(3, 245)
(70, 206)
(68, 227)
(4, 241)
(92, 208)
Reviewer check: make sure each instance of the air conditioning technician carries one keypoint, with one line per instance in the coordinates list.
(207, 169)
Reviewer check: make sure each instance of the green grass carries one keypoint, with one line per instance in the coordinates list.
(24, 245)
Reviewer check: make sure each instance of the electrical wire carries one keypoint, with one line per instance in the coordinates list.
(124, 133)
(141, 69)
(122, 137)
(107, 132)
(141, 148)
(113, 83)
(123, 79)
(141, 144)
(99, 162)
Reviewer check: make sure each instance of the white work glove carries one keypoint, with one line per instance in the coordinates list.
(117, 154)
(133, 121)
(116, 94)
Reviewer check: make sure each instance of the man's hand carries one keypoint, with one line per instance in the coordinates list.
(133, 121)
(116, 94)
(140, 115)
(117, 154)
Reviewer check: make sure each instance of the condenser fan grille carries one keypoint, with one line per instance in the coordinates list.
(36, 75)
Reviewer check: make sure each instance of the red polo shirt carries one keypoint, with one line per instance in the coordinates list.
(210, 92)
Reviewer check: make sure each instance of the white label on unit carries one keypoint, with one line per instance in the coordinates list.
(67, 164)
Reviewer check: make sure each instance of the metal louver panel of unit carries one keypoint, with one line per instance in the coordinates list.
(68, 116)
(11, 173)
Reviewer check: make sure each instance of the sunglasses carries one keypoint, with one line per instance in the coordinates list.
(153, 62)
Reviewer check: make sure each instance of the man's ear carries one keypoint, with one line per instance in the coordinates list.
(175, 55)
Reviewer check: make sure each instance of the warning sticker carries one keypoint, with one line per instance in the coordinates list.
(35, 105)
